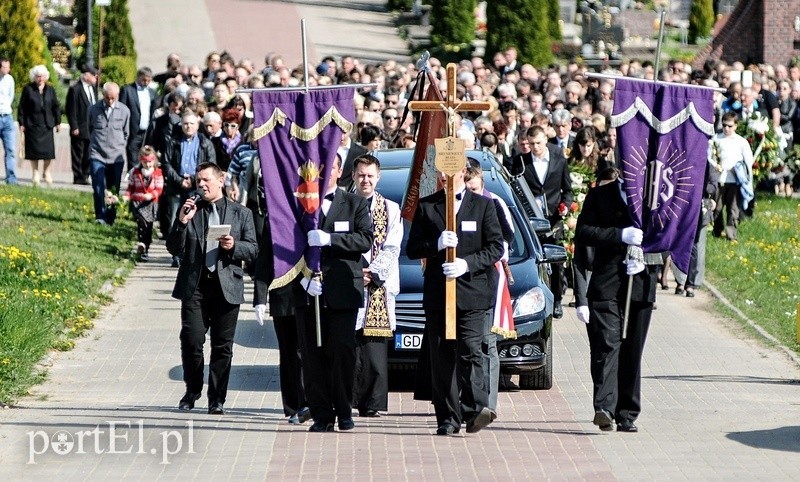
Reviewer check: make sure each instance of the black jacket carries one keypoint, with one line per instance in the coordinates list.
(78, 110)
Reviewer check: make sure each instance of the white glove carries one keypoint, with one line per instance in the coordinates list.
(318, 237)
(448, 239)
(505, 252)
(313, 286)
(261, 311)
(455, 269)
(633, 236)
(634, 267)
(583, 313)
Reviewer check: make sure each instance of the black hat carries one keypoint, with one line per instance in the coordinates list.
(89, 69)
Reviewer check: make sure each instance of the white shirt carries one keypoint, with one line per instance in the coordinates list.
(6, 93)
(541, 165)
(732, 149)
(344, 150)
(144, 107)
(326, 203)
(89, 89)
(459, 198)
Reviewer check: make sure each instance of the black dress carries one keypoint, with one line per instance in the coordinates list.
(39, 113)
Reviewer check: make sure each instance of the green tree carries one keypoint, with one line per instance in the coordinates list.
(701, 19)
(453, 23)
(521, 23)
(117, 31)
(21, 38)
(554, 19)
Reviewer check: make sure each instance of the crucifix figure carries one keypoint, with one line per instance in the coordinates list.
(450, 159)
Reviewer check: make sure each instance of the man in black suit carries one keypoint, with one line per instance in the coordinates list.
(81, 96)
(210, 283)
(459, 388)
(345, 233)
(547, 174)
(606, 225)
(141, 101)
(562, 124)
(349, 151)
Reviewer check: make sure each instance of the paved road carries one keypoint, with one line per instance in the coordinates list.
(717, 405)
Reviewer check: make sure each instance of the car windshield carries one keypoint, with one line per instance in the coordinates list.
(393, 184)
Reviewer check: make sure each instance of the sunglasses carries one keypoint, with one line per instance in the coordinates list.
(229, 125)
(388, 117)
(728, 125)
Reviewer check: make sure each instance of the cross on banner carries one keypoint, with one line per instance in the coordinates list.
(451, 105)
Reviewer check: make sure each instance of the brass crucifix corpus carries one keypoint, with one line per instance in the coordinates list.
(450, 159)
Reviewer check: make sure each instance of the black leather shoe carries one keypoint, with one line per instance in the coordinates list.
(558, 311)
(689, 293)
(679, 290)
(303, 415)
(321, 426)
(369, 413)
(447, 429)
(215, 408)
(627, 426)
(187, 402)
(346, 424)
(603, 420)
(294, 419)
(481, 420)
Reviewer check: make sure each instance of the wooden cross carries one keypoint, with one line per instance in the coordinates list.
(450, 159)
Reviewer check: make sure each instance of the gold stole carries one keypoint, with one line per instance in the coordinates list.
(376, 319)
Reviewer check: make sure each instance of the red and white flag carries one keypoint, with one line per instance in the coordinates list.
(503, 312)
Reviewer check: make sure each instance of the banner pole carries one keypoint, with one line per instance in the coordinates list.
(660, 42)
(305, 53)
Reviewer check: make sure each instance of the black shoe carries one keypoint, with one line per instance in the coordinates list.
(447, 429)
(558, 311)
(176, 262)
(294, 419)
(689, 293)
(481, 420)
(507, 385)
(215, 408)
(603, 420)
(346, 424)
(187, 402)
(303, 415)
(627, 426)
(369, 413)
(320, 426)
(679, 290)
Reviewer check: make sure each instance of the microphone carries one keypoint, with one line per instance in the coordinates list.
(195, 197)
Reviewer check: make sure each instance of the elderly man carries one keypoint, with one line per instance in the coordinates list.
(108, 136)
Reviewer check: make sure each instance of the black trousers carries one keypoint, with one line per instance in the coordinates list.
(135, 142)
(458, 385)
(206, 311)
(328, 370)
(290, 368)
(616, 364)
(727, 205)
(144, 232)
(79, 151)
(371, 385)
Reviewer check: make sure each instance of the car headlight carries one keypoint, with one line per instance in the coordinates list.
(530, 303)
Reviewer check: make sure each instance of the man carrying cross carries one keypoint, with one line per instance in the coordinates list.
(459, 387)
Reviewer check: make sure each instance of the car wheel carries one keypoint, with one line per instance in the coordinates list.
(541, 378)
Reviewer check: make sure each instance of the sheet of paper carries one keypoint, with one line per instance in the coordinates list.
(218, 231)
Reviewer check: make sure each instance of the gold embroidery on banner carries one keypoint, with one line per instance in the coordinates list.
(277, 117)
(287, 278)
(309, 133)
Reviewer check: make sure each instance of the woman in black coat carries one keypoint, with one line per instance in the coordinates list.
(38, 113)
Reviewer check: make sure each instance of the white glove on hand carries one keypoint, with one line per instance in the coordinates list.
(318, 237)
(448, 239)
(583, 313)
(261, 311)
(455, 269)
(313, 286)
(505, 252)
(632, 236)
(634, 267)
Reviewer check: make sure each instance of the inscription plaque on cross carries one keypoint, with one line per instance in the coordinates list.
(450, 159)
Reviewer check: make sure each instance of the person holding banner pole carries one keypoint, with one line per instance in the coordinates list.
(344, 234)
(605, 224)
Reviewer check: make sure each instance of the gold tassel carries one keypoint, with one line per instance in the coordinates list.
(284, 280)
(277, 117)
(381, 332)
(507, 334)
(333, 115)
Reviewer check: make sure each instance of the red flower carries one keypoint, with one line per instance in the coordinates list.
(575, 206)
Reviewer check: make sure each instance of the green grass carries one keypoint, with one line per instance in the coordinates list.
(760, 273)
(53, 260)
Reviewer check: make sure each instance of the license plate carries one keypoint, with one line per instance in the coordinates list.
(407, 341)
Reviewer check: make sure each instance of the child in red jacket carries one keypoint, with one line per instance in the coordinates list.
(144, 188)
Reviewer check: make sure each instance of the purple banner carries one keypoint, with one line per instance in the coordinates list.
(298, 135)
(662, 133)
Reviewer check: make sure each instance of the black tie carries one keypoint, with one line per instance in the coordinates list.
(330, 196)
(459, 195)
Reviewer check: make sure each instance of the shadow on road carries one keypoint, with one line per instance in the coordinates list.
(783, 438)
